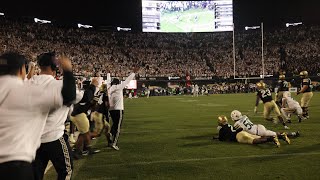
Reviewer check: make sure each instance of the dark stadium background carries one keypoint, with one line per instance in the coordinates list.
(127, 13)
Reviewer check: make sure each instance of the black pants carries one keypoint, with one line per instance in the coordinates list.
(59, 153)
(17, 170)
(117, 117)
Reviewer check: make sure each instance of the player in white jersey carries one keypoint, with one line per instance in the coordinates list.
(242, 121)
(196, 90)
(290, 106)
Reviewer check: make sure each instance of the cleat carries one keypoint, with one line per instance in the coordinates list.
(286, 127)
(85, 153)
(115, 147)
(297, 134)
(276, 141)
(285, 138)
(93, 151)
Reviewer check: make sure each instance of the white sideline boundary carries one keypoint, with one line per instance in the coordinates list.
(208, 159)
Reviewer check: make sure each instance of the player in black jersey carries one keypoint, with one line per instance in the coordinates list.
(306, 90)
(228, 133)
(265, 95)
(100, 115)
(283, 86)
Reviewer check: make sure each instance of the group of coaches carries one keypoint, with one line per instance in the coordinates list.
(33, 113)
(32, 116)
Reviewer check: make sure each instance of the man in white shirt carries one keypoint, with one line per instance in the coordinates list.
(23, 110)
(54, 142)
(116, 106)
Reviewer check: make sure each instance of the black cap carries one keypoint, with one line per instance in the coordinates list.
(47, 60)
(10, 62)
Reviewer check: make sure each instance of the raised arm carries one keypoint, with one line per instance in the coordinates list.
(68, 90)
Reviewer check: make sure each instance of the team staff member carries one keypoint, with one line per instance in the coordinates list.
(23, 110)
(54, 143)
(116, 106)
(306, 90)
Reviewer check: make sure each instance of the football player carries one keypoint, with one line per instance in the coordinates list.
(290, 106)
(243, 122)
(306, 90)
(283, 86)
(265, 95)
(228, 133)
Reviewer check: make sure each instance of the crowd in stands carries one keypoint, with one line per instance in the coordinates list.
(162, 54)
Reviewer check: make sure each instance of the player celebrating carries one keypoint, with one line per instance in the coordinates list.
(306, 90)
(243, 122)
(289, 106)
(283, 86)
(265, 95)
(228, 133)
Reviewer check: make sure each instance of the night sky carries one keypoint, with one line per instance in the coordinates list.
(127, 13)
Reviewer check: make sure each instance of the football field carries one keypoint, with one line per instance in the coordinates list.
(194, 20)
(171, 138)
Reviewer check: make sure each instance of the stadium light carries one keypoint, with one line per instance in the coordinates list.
(1, 14)
(293, 24)
(251, 27)
(84, 26)
(123, 29)
(37, 20)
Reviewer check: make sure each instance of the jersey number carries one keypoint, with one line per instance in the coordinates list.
(248, 124)
(265, 93)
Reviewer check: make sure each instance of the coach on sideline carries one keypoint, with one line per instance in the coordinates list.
(54, 142)
(23, 110)
(117, 107)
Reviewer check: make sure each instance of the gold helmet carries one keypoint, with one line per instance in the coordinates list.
(222, 120)
(103, 87)
(303, 73)
(282, 77)
(261, 85)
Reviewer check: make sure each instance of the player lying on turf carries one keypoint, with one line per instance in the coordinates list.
(228, 133)
(290, 106)
(243, 122)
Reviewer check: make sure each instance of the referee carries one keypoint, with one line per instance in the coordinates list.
(54, 142)
(116, 106)
(23, 109)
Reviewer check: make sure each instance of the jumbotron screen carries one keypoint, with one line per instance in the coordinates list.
(187, 16)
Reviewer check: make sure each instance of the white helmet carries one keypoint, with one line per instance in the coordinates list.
(235, 115)
(286, 94)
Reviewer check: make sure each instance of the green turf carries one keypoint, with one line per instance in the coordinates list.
(170, 138)
(187, 22)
